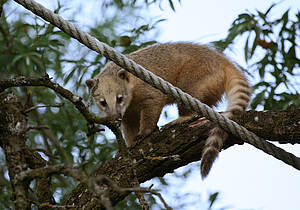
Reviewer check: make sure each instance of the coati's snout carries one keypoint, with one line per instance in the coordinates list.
(112, 95)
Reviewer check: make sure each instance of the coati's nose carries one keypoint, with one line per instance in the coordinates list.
(118, 120)
(118, 123)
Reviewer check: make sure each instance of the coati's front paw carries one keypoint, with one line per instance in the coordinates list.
(143, 134)
(183, 119)
(137, 139)
(190, 121)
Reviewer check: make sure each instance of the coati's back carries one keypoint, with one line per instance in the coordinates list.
(198, 70)
(173, 61)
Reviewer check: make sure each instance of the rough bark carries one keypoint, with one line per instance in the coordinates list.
(275, 125)
(12, 136)
(19, 158)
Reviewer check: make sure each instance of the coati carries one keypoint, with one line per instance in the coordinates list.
(196, 69)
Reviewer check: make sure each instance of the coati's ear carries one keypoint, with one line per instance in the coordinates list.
(123, 74)
(90, 83)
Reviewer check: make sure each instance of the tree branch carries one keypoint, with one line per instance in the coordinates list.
(12, 140)
(186, 143)
(282, 126)
(19, 157)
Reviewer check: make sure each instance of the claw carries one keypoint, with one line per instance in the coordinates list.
(199, 122)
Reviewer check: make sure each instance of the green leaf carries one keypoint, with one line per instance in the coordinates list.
(254, 44)
(270, 8)
(70, 75)
(38, 62)
(258, 99)
(17, 58)
(261, 84)
(246, 52)
(285, 16)
(212, 198)
(262, 15)
(171, 5)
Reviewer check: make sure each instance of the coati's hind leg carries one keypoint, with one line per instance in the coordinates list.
(184, 115)
(187, 115)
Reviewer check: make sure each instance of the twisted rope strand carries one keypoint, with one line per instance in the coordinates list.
(157, 82)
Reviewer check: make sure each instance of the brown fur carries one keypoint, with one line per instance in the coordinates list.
(198, 70)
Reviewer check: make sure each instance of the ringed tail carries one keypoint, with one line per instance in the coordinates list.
(238, 96)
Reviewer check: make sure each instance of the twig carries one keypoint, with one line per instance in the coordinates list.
(147, 190)
(140, 195)
(55, 206)
(92, 129)
(37, 127)
(1, 7)
(43, 151)
(39, 172)
(36, 107)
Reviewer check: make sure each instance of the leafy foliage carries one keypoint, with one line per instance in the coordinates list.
(270, 48)
(30, 47)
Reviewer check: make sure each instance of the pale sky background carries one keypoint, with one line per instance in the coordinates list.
(245, 177)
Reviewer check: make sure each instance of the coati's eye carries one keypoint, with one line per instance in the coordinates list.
(120, 98)
(103, 102)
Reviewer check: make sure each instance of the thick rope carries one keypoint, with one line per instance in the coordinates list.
(163, 86)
